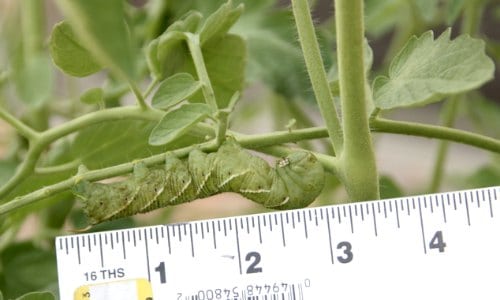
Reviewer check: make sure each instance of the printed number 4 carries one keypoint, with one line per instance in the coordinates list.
(437, 241)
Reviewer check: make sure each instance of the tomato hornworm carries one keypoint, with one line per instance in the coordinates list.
(294, 183)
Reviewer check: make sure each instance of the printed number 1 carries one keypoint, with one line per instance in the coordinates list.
(161, 269)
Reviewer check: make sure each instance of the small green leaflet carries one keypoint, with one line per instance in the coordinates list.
(177, 123)
(104, 34)
(175, 89)
(427, 70)
(69, 54)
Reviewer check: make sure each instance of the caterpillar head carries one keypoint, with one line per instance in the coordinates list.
(103, 202)
(302, 176)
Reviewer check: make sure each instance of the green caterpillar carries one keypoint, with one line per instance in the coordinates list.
(295, 182)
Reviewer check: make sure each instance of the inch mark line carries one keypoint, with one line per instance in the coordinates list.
(238, 245)
(329, 236)
(421, 223)
(147, 252)
(466, 206)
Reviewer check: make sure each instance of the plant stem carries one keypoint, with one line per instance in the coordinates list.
(32, 24)
(43, 139)
(439, 132)
(20, 127)
(358, 158)
(150, 87)
(316, 71)
(448, 118)
(193, 41)
(138, 95)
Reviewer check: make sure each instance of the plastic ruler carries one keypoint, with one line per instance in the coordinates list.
(438, 246)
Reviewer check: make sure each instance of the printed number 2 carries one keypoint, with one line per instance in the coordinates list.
(255, 256)
(437, 241)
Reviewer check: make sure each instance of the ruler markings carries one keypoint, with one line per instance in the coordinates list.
(238, 249)
(305, 223)
(339, 215)
(191, 238)
(329, 237)
(72, 245)
(350, 220)
(123, 245)
(489, 200)
(466, 200)
(374, 219)
(147, 252)
(168, 239)
(444, 208)
(422, 226)
(282, 230)
(78, 250)
(100, 251)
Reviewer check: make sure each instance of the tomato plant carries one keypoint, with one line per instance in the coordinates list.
(114, 83)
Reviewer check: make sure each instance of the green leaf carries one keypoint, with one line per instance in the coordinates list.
(427, 9)
(101, 27)
(152, 59)
(69, 54)
(389, 188)
(178, 122)
(172, 53)
(486, 176)
(219, 23)
(20, 264)
(382, 15)
(274, 55)
(453, 10)
(485, 114)
(37, 296)
(113, 142)
(427, 70)
(225, 61)
(169, 52)
(7, 169)
(34, 80)
(175, 89)
(93, 96)
(187, 23)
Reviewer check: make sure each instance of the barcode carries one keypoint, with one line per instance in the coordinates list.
(293, 292)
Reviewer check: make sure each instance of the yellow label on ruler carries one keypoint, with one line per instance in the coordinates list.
(135, 289)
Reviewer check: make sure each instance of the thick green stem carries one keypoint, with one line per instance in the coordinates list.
(316, 71)
(358, 157)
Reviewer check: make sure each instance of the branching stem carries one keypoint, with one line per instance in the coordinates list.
(360, 175)
(316, 71)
